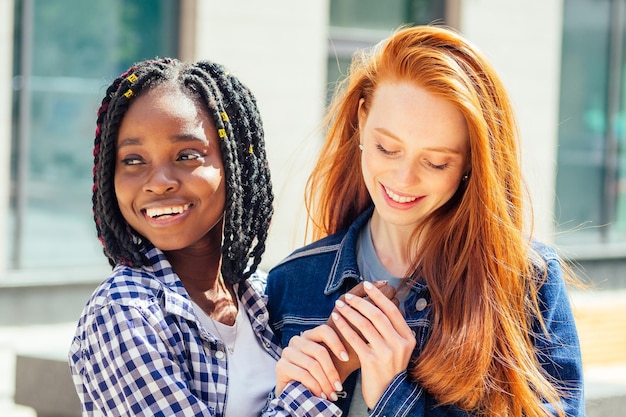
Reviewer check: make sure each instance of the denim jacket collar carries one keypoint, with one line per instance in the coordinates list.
(345, 265)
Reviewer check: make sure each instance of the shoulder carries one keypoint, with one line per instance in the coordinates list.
(257, 282)
(553, 292)
(126, 286)
(546, 261)
(544, 251)
(299, 281)
(131, 300)
(310, 263)
(328, 246)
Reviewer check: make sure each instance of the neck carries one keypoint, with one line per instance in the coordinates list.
(391, 244)
(198, 268)
(197, 271)
(198, 265)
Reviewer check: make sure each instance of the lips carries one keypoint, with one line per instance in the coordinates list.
(166, 212)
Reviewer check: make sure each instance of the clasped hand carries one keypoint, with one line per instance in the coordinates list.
(366, 330)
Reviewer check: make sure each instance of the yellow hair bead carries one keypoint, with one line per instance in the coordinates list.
(251, 149)
(132, 78)
(129, 93)
(222, 133)
(224, 116)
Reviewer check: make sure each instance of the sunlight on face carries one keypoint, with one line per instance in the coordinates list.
(169, 175)
(415, 152)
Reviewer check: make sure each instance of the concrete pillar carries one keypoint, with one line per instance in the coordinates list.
(6, 94)
(279, 49)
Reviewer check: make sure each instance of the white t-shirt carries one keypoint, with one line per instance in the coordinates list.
(251, 370)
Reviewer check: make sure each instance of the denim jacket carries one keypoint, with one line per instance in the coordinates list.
(302, 290)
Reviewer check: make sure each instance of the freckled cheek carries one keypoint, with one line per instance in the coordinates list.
(366, 172)
(452, 186)
(371, 166)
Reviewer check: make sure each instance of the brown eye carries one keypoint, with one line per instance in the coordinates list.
(191, 155)
(131, 160)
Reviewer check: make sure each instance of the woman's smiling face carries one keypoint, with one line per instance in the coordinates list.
(415, 151)
(169, 174)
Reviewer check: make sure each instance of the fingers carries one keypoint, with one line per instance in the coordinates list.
(359, 290)
(387, 342)
(344, 368)
(367, 321)
(325, 335)
(287, 371)
(389, 291)
(310, 363)
(389, 308)
(375, 319)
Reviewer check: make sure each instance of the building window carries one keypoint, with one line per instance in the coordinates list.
(591, 179)
(360, 24)
(66, 53)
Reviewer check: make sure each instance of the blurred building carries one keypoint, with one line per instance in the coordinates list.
(562, 60)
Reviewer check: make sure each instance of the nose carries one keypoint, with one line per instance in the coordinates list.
(161, 180)
(407, 172)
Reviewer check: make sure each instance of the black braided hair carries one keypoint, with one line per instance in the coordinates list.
(234, 112)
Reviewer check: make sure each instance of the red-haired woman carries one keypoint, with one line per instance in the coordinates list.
(419, 183)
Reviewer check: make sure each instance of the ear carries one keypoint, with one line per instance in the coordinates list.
(361, 114)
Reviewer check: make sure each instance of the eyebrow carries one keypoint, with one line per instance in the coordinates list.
(444, 149)
(178, 138)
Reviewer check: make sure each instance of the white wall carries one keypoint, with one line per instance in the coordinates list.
(6, 72)
(277, 48)
(523, 41)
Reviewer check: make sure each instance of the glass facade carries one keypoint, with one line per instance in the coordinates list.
(591, 178)
(66, 53)
(359, 24)
(384, 15)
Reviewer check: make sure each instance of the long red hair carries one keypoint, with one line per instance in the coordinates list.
(479, 356)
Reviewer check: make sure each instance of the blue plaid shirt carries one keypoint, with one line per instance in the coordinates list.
(139, 350)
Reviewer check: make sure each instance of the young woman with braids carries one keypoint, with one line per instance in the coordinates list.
(182, 202)
(419, 182)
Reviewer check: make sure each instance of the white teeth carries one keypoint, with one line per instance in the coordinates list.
(165, 211)
(398, 198)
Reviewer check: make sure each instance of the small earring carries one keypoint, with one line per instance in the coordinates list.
(465, 177)
(360, 147)
(136, 239)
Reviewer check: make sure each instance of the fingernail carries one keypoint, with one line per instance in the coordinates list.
(349, 296)
(368, 285)
(324, 396)
(333, 396)
(335, 316)
(340, 303)
(338, 386)
(343, 355)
